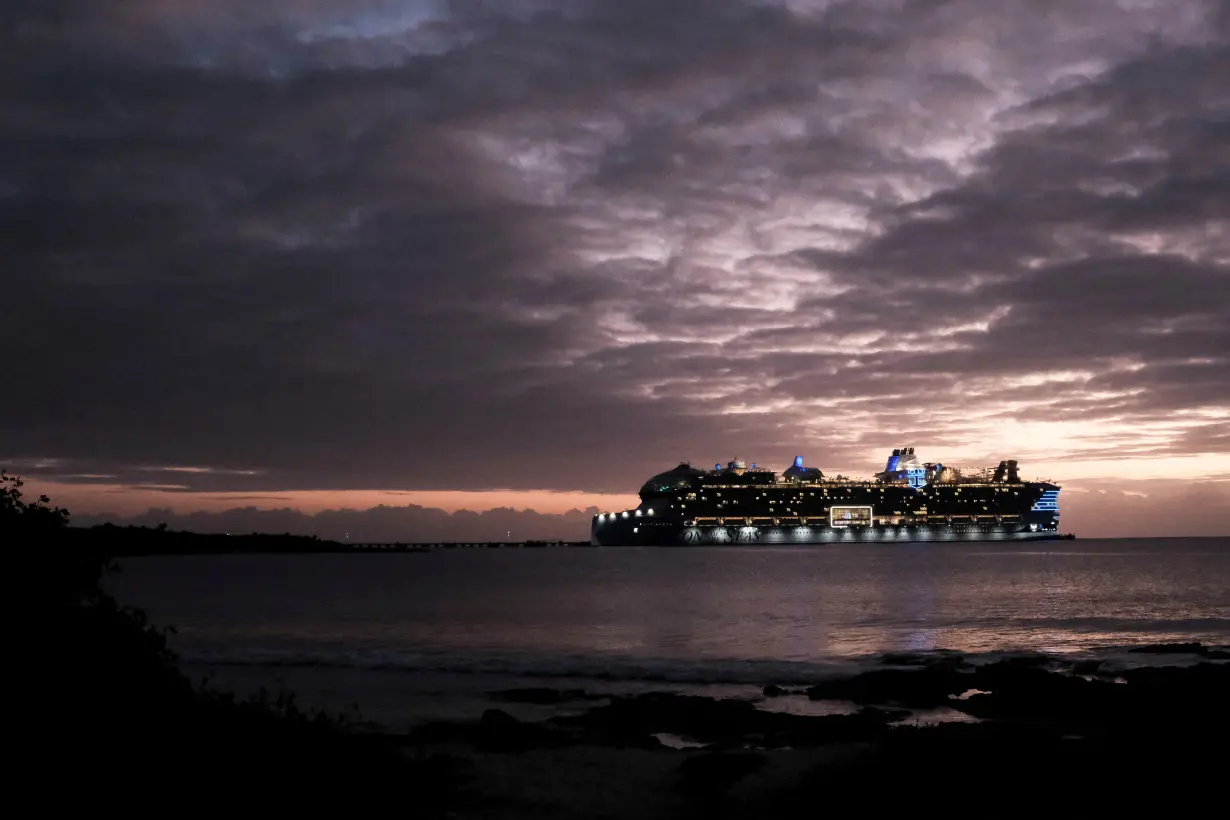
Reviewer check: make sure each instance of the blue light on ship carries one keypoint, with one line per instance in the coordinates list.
(1049, 502)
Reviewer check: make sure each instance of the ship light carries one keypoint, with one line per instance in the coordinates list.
(638, 515)
(625, 513)
(649, 512)
(634, 529)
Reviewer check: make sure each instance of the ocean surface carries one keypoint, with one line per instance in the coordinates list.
(410, 637)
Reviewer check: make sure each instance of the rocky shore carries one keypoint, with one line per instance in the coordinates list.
(1035, 728)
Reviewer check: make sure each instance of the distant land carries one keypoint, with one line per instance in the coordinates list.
(130, 541)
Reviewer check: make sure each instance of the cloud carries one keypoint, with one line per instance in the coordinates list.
(546, 245)
(1147, 509)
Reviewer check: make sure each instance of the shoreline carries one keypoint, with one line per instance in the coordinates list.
(395, 698)
(662, 754)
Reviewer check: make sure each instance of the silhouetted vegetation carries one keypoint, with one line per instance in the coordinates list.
(116, 712)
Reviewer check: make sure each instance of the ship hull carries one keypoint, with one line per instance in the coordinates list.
(666, 534)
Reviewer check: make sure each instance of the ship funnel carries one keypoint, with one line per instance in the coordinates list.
(798, 461)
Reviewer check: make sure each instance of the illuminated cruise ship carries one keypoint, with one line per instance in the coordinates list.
(908, 501)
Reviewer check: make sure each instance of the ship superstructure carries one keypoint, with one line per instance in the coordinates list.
(909, 500)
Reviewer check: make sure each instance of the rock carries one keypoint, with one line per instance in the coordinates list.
(499, 731)
(904, 659)
(1063, 700)
(922, 688)
(1007, 672)
(497, 718)
(1193, 648)
(1092, 667)
(430, 734)
(884, 715)
(712, 773)
(496, 731)
(628, 720)
(1026, 693)
(1028, 660)
(774, 691)
(805, 731)
(936, 657)
(1195, 682)
(649, 742)
(542, 696)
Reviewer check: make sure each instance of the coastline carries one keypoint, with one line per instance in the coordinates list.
(397, 697)
(670, 755)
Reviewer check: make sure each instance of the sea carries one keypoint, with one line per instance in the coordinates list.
(398, 639)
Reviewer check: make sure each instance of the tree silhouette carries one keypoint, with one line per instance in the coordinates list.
(15, 512)
(97, 667)
(59, 572)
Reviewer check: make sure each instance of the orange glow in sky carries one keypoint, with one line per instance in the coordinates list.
(120, 500)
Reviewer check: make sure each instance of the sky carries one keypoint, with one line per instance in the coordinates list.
(466, 267)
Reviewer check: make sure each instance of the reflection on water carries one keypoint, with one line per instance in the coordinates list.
(663, 611)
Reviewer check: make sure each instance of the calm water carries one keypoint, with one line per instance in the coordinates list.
(403, 635)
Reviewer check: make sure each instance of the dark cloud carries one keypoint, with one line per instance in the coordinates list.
(548, 245)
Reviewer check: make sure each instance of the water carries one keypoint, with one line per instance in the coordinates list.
(412, 636)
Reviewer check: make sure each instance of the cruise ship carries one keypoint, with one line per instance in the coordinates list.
(910, 500)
